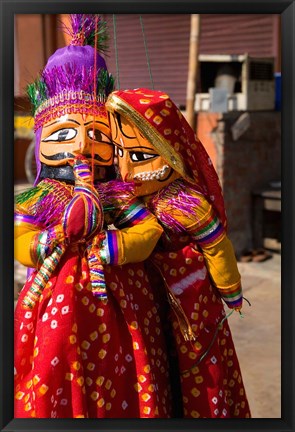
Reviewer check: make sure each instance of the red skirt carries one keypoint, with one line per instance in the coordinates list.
(78, 356)
(210, 377)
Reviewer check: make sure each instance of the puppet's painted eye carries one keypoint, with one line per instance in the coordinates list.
(62, 135)
(140, 156)
(98, 136)
(120, 152)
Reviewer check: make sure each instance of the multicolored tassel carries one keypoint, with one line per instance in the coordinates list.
(179, 196)
(42, 277)
(96, 270)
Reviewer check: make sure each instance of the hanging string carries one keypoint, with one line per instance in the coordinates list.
(219, 327)
(116, 50)
(94, 94)
(146, 51)
(247, 301)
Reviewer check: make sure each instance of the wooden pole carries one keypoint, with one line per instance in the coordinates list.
(49, 28)
(192, 70)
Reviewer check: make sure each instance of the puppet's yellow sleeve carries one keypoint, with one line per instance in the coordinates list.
(26, 230)
(218, 252)
(204, 227)
(32, 243)
(135, 239)
(25, 235)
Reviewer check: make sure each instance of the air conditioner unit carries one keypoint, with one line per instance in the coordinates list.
(235, 83)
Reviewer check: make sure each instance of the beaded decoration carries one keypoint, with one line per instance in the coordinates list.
(67, 103)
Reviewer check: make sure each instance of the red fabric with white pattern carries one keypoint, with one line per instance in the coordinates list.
(91, 358)
(211, 380)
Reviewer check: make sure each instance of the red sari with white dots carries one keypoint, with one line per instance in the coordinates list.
(78, 356)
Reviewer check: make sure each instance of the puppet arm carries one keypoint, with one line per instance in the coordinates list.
(137, 234)
(32, 240)
(31, 243)
(188, 211)
(134, 241)
(219, 254)
(24, 238)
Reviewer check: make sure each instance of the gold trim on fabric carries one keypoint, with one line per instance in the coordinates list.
(163, 147)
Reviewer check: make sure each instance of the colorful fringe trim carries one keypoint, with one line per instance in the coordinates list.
(115, 194)
(176, 196)
(32, 205)
(96, 270)
(45, 242)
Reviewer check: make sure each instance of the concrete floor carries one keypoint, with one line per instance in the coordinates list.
(257, 336)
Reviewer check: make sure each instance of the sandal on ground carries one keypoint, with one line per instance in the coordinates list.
(260, 255)
(246, 256)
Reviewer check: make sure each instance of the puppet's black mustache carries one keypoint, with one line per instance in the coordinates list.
(67, 155)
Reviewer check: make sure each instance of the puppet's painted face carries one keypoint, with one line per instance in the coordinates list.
(65, 137)
(137, 158)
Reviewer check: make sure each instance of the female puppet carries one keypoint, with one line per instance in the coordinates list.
(88, 337)
(158, 151)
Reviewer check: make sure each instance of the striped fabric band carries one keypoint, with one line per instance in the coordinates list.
(95, 263)
(104, 250)
(35, 251)
(209, 231)
(82, 171)
(86, 191)
(91, 214)
(134, 215)
(232, 296)
(110, 248)
(40, 247)
(24, 219)
(97, 275)
(44, 243)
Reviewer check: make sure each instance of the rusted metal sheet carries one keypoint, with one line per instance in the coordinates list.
(238, 34)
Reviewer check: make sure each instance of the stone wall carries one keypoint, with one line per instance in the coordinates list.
(248, 163)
